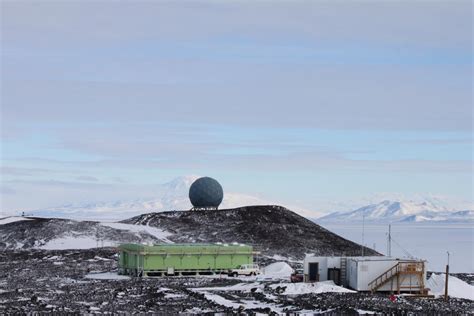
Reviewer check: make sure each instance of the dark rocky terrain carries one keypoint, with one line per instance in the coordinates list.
(45, 281)
(270, 229)
(36, 232)
(84, 281)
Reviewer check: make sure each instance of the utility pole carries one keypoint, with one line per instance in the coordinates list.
(447, 278)
(363, 229)
(389, 241)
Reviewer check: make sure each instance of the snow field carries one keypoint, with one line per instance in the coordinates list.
(88, 242)
(73, 242)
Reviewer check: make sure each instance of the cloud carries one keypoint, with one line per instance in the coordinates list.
(19, 171)
(130, 92)
(6, 190)
(80, 23)
(314, 64)
(87, 179)
(378, 100)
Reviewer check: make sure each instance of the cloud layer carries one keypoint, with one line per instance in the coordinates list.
(336, 98)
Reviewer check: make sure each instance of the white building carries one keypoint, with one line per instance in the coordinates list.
(376, 273)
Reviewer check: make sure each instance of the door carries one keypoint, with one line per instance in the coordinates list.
(335, 275)
(313, 272)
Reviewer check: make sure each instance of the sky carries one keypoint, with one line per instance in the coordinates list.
(297, 101)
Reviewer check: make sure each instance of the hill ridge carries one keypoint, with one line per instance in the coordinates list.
(289, 234)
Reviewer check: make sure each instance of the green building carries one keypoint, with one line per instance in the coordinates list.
(181, 259)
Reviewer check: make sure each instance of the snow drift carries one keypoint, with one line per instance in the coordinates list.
(278, 270)
(456, 287)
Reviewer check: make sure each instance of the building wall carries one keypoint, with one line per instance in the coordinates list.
(188, 257)
(324, 264)
(193, 261)
(361, 271)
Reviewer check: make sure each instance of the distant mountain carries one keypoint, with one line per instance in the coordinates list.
(273, 230)
(169, 196)
(456, 216)
(401, 211)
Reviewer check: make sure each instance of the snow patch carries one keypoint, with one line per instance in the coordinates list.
(306, 288)
(246, 304)
(137, 229)
(73, 242)
(12, 219)
(173, 295)
(456, 287)
(278, 270)
(241, 287)
(106, 276)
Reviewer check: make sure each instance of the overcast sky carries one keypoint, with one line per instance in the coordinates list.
(294, 100)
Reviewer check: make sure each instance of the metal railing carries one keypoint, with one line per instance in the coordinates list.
(396, 270)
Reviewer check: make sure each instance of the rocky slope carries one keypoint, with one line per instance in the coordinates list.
(274, 230)
(54, 233)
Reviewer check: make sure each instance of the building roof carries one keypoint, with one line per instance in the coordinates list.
(187, 248)
(368, 258)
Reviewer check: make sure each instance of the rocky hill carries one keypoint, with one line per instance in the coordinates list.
(55, 233)
(274, 230)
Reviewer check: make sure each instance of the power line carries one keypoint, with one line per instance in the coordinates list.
(407, 253)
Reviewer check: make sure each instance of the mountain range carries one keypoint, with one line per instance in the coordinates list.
(174, 196)
(169, 196)
(401, 211)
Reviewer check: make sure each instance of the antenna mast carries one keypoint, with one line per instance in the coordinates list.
(363, 230)
(389, 246)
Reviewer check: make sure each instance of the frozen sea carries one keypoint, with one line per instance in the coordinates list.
(428, 241)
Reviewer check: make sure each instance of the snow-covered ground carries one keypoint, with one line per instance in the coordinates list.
(75, 242)
(85, 283)
(244, 304)
(156, 232)
(240, 287)
(78, 240)
(456, 287)
(12, 219)
(106, 276)
(306, 288)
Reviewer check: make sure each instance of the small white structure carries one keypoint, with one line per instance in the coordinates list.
(377, 273)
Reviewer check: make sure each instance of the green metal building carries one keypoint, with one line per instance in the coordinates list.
(181, 259)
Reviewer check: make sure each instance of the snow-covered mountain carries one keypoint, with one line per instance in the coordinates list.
(169, 196)
(401, 211)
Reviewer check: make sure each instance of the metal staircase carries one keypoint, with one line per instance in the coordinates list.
(399, 272)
